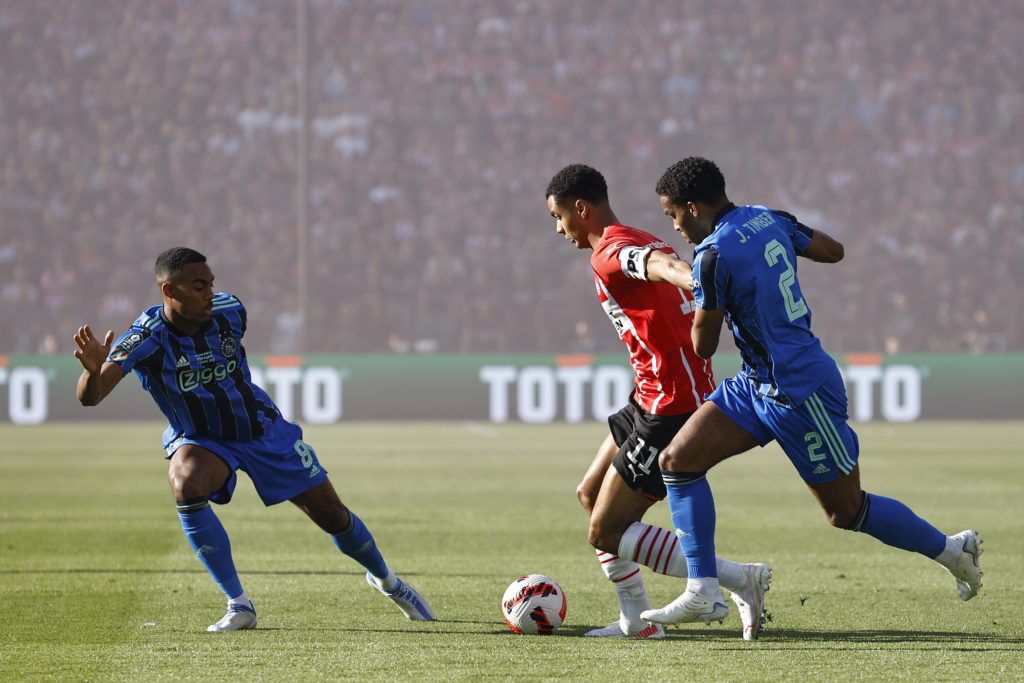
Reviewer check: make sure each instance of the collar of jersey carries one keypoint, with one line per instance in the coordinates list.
(722, 213)
(178, 333)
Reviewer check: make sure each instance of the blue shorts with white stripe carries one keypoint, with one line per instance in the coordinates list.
(815, 435)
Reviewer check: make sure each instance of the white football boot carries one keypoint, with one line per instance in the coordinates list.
(239, 617)
(966, 568)
(750, 601)
(690, 607)
(412, 604)
(615, 630)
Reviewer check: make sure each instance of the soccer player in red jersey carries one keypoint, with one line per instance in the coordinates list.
(653, 319)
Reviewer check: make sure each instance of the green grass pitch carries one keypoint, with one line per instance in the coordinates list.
(97, 582)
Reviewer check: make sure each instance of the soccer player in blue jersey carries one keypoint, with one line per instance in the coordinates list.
(789, 389)
(188, 355)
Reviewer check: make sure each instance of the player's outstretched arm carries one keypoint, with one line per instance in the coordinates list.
(98, 377)
(664, 268)
(823, 248)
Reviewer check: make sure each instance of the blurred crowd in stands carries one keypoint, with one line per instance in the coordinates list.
(130, 126)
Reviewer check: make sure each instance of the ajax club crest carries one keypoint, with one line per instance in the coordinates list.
(228, 346)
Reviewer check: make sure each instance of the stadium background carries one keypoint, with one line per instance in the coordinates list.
(433, 127)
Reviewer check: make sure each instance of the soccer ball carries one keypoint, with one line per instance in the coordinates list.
(533, 605)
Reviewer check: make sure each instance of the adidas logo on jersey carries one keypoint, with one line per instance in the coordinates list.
(182, 362)
(821, 469)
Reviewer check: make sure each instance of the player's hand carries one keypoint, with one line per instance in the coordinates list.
(91, 352)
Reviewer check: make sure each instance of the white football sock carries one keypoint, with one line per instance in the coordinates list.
(659, 550)
(703, 586)
(951, 553)
(653, 547)
(242, 599)
(389, 582)
(730, 575)
(629, 588)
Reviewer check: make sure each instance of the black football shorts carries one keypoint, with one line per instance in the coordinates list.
(640, 437)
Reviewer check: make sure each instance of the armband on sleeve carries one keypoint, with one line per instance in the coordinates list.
(120, 351)
(633, 261)
(133, 347)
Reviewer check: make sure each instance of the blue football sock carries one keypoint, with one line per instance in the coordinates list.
(693, 514)
(210, 542)
(357, 542)
(893, 523)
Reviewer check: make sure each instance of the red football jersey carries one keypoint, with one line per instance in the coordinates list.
(653, 319)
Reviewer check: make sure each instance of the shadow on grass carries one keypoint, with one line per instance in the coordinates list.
(200, 570)
(321, 629)
(790, 639)
(438, 627)
(724, 639)
(243, 571)
(423, 629)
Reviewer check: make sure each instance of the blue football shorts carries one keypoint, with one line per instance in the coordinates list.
(814, 435)
(280, 464)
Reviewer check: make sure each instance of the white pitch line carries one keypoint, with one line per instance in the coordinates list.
(481, 430)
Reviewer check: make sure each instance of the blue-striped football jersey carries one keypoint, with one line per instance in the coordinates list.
(201, 383)
(747, 266)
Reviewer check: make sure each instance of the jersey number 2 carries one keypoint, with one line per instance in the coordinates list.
(773, 253)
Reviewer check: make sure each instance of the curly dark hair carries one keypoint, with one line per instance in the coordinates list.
(170, 262)
(578, 181)
(693, 179)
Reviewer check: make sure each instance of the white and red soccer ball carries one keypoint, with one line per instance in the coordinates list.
(534, 605)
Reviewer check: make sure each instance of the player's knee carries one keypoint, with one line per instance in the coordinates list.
(184, 489)
(665, 461)
(847, 515)
(586, 496)
(837, 518)
(603, 539)
(335, 521)
(183, 482)
(671, 459)
(856, 513)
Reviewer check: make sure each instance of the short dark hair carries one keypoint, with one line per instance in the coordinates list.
(170, 262)
(578, 181)
(693, 179)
